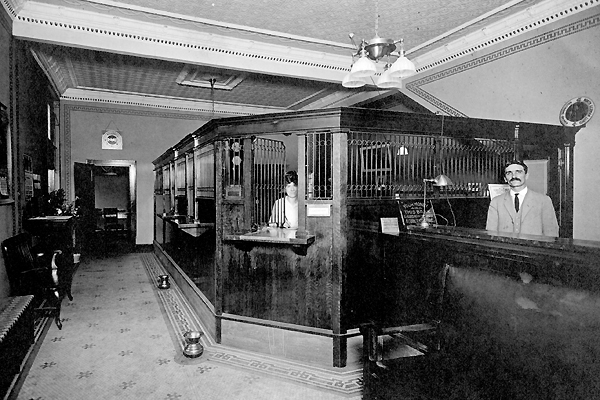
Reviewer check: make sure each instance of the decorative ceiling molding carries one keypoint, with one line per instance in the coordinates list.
(309, 99)
(213, 26)
(127, 29)
(52, 70)
(523, 22)
(136, 100)
(345, 99)
(120, 28)
(92, 30)
(416, 86)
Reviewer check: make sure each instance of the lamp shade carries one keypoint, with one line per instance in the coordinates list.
(442, 180)
(387, 81)
(403, 68)
(363, 67)
(350, 81)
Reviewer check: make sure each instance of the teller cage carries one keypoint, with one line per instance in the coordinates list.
(303, 293)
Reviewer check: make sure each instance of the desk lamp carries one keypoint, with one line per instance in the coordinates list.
(440, 180)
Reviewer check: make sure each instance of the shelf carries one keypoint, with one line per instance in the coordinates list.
(297, 240)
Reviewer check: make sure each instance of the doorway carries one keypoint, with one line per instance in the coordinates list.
(107, 193)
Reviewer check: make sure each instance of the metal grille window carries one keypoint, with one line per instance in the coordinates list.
(189, 183)
(381, 165)
(205, 172)
(319, 178)
(158, 181)
(474, 163)
(387, 165)
(180, 176)
(268, 171)
(166, 179)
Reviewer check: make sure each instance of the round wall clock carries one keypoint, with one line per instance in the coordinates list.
(111, 139)
(577, 112)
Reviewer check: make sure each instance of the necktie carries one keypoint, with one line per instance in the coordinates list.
(517, 202)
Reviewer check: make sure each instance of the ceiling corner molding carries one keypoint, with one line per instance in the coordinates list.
(347, 98)
(92, 29)
(447, 109)
(525, 21)
(160, 103)
(51, 69)
(416, 85)
(13, 7)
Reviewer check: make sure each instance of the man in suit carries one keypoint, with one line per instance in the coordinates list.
(521, 210)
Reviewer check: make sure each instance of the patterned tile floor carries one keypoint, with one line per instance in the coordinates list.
(123, 338)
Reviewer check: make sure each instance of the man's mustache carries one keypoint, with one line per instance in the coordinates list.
(515, 179)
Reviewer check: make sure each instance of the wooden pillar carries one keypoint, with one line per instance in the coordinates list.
(219, 170)
(339, 251)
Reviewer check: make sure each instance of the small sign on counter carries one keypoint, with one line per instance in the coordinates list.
(318, 210)
(390, 225)
(412, 212)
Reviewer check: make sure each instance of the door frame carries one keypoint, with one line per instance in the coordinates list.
(131, 164)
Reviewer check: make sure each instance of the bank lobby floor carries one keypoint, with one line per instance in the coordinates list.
(122, 337)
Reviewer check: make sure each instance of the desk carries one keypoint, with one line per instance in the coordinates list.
(55, 231)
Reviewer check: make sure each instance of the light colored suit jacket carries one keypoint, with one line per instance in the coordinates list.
(536, 215)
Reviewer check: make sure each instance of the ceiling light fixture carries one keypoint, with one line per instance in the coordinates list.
(370, 52)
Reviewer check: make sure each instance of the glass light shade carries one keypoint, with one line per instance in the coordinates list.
(350, 81)
(363, 68)
(442, 180)
(387, 81)
(403, 68)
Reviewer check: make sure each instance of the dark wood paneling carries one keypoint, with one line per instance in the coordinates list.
(273, 283)
(505, 336)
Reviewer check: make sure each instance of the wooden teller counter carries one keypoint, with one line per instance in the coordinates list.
(519, 317)
(302, 290)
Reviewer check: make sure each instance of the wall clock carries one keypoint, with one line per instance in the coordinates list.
(112, 140)
(577, 112)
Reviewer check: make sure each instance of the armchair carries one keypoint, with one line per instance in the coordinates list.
(37, 275)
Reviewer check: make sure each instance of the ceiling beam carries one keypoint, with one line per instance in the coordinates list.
(50, 23)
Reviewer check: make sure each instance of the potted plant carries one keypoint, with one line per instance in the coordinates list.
(58, 205)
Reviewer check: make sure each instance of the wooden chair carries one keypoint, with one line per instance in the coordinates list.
(38, 274)
(111, 220)
(425, 337)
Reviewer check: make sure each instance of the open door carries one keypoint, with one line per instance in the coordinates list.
(84, 190)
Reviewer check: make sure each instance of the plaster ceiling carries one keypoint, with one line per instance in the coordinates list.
(261, 56)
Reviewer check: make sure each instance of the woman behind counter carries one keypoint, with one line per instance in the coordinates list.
(285, 210)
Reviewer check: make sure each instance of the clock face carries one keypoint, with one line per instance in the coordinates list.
(577, 112)
(111, 139)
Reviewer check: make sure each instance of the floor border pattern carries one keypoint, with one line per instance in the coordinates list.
(183, 319)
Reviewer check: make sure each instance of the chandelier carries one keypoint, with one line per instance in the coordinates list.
(370, 52)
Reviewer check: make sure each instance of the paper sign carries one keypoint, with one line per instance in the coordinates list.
(389, 225)
(496, 189)
(318, 210)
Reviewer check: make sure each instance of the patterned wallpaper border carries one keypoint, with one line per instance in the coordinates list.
(416, 86)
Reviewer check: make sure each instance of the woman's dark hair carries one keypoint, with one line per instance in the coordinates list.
(291, 176)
